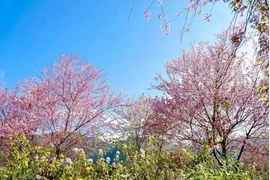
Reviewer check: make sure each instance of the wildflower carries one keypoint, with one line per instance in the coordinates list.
(116, 157)
(78, 150)
(75, 149)
(43, 158)
(118, 152)
(100, 151)
(36, 157)
(81, 151)
(142, 153)
(124, 175)
(68, 160)
(39, 177)
(90, 160)
(147, 14)
(61, 156)
(108, 159)
(87, 168)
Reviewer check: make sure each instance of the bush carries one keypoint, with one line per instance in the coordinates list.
(25, 161)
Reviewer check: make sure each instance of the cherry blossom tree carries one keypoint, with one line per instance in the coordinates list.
(68, 102)
(210, 97)
(253, 14)
(160, 126)
(132, 119)
(16, 114)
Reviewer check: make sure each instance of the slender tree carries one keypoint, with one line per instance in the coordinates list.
(131, 121)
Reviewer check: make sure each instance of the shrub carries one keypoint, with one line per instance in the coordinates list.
(26, 161)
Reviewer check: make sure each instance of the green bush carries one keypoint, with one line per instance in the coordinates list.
(25, 161)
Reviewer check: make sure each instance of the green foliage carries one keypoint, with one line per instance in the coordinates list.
(25, 161)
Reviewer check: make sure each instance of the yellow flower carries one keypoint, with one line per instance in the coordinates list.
(61, 156)
(87, 168)
(53, 166)
(47, 153)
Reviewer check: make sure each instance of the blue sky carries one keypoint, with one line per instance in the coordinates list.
(34, 33)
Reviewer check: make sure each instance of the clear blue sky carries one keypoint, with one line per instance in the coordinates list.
(34, 33)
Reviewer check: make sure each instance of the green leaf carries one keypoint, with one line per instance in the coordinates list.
(262, 99)
(261, 89)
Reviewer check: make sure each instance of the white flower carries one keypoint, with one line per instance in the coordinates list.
(90, 160)
(100, 151)
(142, 153)
(124, 175)
(39, 177)
(108, 159)
(118, 152)
(81, 151)
(117, 157)
(75, 149)
(78, 150)
(68, 160)
(43, 158)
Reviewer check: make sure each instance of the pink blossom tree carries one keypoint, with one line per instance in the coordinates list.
(16, 114)
(69, 101)
(144, 125)
(210, 98)
(253, 13)
(161, 126)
